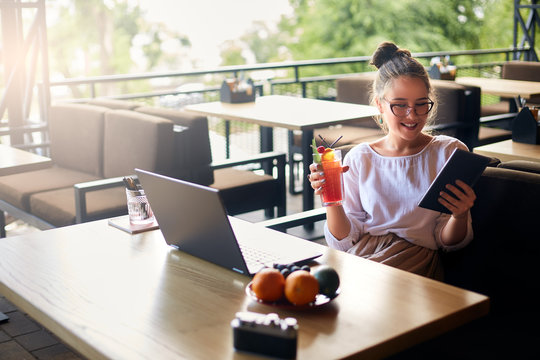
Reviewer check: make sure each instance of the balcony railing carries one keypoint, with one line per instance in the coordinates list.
(309, 78)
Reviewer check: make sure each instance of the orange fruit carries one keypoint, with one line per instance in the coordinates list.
(268, 284)
(301, 287)
(328, 155)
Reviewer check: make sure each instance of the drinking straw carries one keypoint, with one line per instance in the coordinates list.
(334, 143)
(130, 184)
(324, 141)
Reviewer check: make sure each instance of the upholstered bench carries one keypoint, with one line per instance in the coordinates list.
(94, 145)
(88, 143)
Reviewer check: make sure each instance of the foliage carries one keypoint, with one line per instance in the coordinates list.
(338, 28)
(107, 34)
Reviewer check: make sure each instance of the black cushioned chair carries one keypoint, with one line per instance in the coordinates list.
(514, 70)
(242, 190)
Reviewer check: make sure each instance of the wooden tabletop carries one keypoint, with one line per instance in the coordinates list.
(503, 87)
(510, 150)
(111, 295)
(293, 113)
(13, 161)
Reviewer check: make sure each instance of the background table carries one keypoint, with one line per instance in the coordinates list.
(510, 150)
(503, 87)
(111, 295)
(291, 113)
(13, 161)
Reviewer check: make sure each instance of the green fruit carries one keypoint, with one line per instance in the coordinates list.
(328, 279)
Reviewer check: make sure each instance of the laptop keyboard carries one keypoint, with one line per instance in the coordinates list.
(257, 256)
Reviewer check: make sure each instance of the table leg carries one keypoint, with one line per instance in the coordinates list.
(267, 144)
(267, 139)
(307, 191)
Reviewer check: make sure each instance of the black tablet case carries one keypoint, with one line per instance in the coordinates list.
(463, 165)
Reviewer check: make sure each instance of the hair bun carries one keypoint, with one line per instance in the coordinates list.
(385, 52)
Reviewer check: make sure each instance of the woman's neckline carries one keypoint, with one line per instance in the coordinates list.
(432, 139)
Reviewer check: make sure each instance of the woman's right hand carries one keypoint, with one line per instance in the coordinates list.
(316, 177)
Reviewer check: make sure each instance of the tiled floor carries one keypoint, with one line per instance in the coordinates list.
(24, 338)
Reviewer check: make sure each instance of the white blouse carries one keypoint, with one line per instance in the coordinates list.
(382, 195)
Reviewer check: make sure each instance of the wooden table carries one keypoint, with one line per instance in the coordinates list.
(291, 113)
(13, 161)
(510, 150)
(111, 295)
(503, 87)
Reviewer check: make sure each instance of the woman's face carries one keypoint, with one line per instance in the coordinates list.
(406, 95)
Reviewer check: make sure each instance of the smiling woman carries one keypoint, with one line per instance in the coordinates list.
(379, 219)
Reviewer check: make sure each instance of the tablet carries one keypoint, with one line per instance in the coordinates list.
(463, 165)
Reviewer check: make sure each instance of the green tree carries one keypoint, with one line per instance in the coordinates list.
(95, 37)
(338, 28)
(231, 53)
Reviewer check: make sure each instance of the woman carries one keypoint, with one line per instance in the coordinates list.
(384, 180)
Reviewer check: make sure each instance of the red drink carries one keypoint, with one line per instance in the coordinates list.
(332, 191)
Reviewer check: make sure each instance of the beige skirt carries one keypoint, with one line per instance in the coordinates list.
(392, 250)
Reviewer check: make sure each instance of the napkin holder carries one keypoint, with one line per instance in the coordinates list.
(234, 91)
(442, 73)
(525, 128)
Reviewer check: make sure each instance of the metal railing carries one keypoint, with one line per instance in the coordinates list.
(308, 78)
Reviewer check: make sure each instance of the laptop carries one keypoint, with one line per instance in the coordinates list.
(193, 219)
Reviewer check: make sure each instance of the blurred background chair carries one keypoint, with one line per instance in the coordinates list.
(514, 70)
(94, 147)
(243, 190)
(496, 119)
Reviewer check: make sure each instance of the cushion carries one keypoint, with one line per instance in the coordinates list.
(522, 165)
(58, 206)
(76, 133)
(356, 89)
(232, 177)
(192, 144)
(243, 190)
(135, 140)
(16, 189)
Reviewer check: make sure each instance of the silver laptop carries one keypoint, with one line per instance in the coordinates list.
(193, 219)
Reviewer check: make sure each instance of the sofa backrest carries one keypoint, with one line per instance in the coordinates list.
(76, 136)
(502, 258)
(522, 70)
(135, 140)
(356, 89)
(193, 154)
(458, 104)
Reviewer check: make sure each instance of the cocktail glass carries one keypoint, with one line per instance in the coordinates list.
(332, 191)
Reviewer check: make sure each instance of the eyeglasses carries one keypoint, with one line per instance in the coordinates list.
(403, 110)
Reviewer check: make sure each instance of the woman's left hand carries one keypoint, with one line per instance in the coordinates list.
(464, 202)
